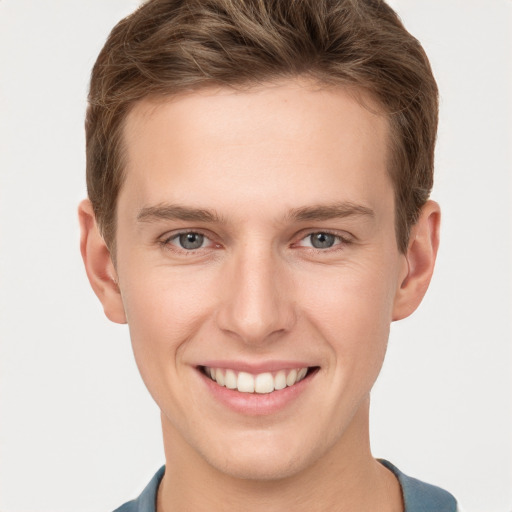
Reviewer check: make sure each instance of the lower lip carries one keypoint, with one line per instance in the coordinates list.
(257, 404)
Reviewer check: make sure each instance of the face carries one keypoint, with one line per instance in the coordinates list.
(258, 269)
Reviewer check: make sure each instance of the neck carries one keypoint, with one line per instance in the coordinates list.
(346, 478)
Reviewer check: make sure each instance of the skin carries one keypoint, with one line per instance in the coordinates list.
(258, 291)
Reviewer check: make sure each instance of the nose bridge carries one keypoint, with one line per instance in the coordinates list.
(256, 302)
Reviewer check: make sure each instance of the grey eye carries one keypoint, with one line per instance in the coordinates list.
(191, 241)
(322, 240)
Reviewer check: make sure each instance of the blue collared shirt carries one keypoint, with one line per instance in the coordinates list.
(418, 496)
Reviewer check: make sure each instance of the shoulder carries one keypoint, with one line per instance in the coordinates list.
(420, 496)
(146, 502)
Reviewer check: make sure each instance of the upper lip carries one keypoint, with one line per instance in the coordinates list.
(256, 368)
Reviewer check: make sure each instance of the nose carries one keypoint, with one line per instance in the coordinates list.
(256, 297)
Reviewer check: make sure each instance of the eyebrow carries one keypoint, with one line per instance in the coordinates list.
(176, 212)
(330, 211)
(302, 214)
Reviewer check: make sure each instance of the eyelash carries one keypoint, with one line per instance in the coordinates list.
(342, 241)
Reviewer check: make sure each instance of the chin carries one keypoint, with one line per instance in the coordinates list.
(258, 467)
(265, 457)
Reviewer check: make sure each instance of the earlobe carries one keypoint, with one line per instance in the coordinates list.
(98, 264)
(420, 259)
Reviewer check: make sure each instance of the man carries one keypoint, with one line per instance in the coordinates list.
(258, 175)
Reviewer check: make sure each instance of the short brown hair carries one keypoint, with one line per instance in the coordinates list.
(171, 46)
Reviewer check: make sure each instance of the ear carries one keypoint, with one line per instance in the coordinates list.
(98, 264)
(420, 259)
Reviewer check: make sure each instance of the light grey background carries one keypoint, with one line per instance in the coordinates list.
(78, 430)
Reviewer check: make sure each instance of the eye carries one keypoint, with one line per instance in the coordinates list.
(321, 240)
(188, 241)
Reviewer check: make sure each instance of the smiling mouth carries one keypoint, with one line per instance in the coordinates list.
(262, 383)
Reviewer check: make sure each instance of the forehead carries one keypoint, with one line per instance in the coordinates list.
(275, 142)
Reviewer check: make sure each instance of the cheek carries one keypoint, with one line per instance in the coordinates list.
(352, 312)
(164, 311)
(163, 300)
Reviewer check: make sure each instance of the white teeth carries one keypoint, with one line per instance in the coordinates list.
(245, 382)
(219, 377)
(301, 374)
(230, 379)
(262, 383)
(280, 380)
(291, 379)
